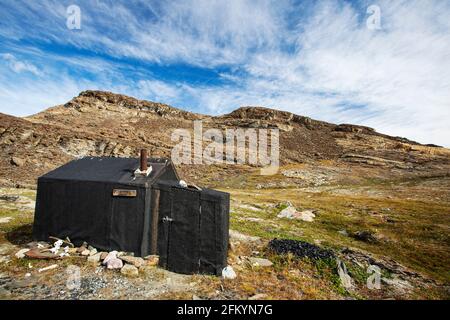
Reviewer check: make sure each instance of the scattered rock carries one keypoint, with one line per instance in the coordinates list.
(228, 273)
(5, 219)
(300, 249)
(237, 236)
(260, 262)
(94, 259)
(343, 232)
(152, 260)
(21, 253)
(17, 161)
(112, 262)
(103, 255)
(259, 296)
(129, 270)
(135, 261)
(85, 252)
(81, 249)
(292, 213)
(92, 252)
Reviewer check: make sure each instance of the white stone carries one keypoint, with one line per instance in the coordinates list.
(228, 273)
(292, 213)
(21, 253)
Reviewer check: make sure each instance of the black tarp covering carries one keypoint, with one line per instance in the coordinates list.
(86, 211)
(193, 229)
(76, 201)
(187, 227)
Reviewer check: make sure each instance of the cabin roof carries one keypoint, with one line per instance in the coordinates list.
(109, 170)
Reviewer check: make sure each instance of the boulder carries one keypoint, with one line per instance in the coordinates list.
(94, 259)
(112, 262)
(135, 261)
(260, 262)
(19, 162)
(85, 252)
(129, 270)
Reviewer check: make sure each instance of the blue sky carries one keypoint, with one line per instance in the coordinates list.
(313, 58)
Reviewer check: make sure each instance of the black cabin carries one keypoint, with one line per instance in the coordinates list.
(111, 205)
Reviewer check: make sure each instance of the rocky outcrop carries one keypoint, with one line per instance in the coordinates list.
(97, 123)
(115, 102)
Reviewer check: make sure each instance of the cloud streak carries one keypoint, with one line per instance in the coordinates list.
(317, 59)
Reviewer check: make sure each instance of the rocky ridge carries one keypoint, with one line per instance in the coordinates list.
(101, 123)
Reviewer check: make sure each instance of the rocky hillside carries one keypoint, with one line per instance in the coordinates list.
(103, 123)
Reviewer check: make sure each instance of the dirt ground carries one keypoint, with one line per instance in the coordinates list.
(407, 220)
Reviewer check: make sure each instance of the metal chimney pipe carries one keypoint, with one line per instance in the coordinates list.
(143, 160)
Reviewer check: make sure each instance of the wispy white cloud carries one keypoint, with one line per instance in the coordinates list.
(313, 58)
(19, 66)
